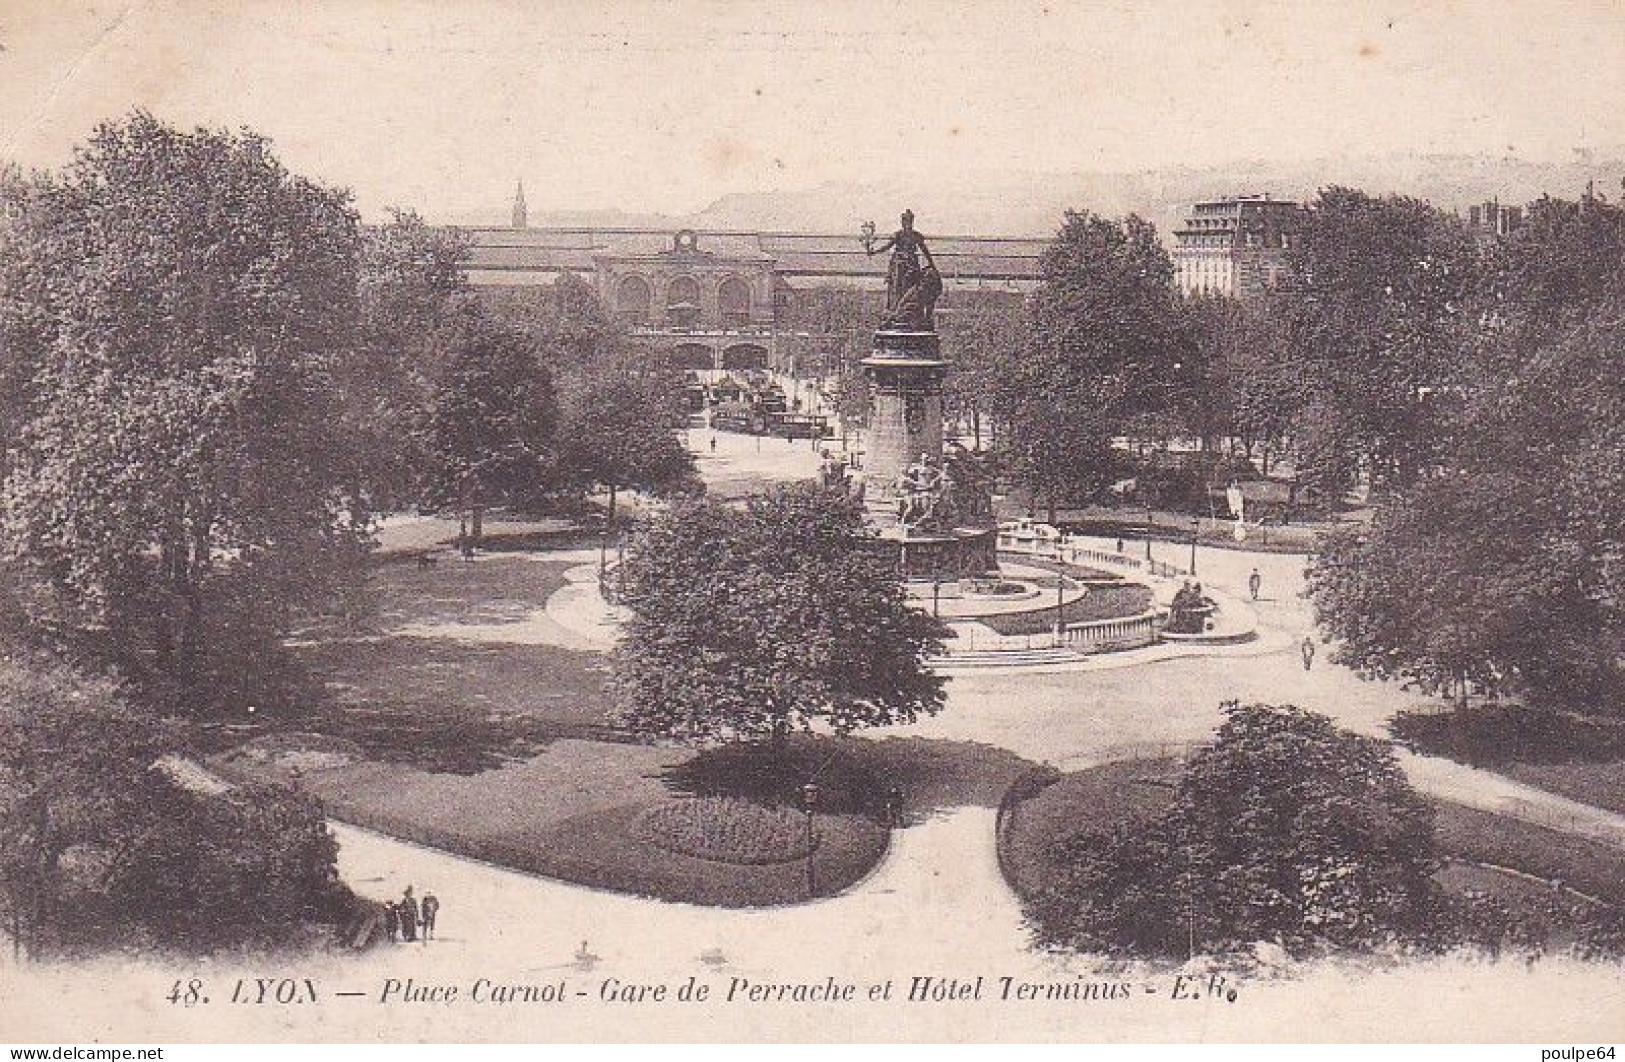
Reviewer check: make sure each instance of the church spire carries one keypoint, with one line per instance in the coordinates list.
(520, 220)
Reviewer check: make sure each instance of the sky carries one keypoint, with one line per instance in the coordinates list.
(663, 107)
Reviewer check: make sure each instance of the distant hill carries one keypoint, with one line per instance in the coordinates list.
(598, 219)
(988, 202)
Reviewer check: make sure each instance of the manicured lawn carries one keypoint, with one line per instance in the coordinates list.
(1479, 836)
(452, 704)
(1098, 798)
(503, 752)
(1582, 759)
(856, 773)
(571, 812)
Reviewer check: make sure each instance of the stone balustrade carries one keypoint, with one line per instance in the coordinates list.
(1128, 632)
(1042, 540)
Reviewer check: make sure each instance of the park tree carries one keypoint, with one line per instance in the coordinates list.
(840, 325)
(619, 407)
(493, 429)
(101, 840)
(253, 864)
(566, 322)
(623, 425)
(1499, 567)
(1502, 568)
(76, 769)
(22, 326)
(1104, 343)
(411, 281)
(763, 621)
(978, 337)
(1288, 829)
(1376, 328)
(1566, 257)
(182, 483)
(1243, 387)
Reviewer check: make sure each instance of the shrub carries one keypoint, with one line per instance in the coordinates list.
(726, 830)
(243, 866)
(1287, 829)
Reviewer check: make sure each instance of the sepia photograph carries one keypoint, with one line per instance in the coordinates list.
(692, 521)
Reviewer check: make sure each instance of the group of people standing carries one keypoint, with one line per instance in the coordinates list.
(408, 920)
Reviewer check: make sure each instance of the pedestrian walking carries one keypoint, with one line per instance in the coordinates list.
(1308, 649)
(431, 908)
(392, 922)
(1254, 581)
(894, 806)
(713, 444)
(408, 908)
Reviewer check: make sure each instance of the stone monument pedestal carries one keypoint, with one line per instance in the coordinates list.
(906, 373)
(957, 553)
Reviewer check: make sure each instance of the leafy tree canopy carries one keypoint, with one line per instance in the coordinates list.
(1287, 829)
(185, 300)
(763, 621)
(493, 431)
(1377, 324)
(1502, 568)
(1103, 350)
(411, 281)
(622, 431)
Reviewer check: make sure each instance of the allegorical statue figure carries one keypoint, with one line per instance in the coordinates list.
(913, 284)
(919, 490)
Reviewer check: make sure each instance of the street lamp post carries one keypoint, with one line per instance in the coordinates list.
(1060, 608)
(1148, 530)
(1196, 531)
(809, 801)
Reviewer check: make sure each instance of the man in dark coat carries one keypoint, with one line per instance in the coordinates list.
(431, 908)
(408, 908)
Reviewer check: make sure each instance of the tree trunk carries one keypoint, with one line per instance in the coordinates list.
(42, 874)
(612, 505)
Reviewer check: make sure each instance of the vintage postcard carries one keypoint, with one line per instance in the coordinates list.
(801, 522)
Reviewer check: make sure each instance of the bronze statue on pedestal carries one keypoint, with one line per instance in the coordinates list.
(912, 285)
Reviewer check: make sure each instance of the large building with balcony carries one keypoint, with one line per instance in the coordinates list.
(1235, 247)
(723, 299)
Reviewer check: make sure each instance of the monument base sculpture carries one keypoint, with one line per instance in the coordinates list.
(932, 524)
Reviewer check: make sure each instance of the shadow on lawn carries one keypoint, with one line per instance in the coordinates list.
(854, 774)
(1500, 734)
(453, 707)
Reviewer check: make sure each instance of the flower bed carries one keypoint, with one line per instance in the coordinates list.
(728, 830)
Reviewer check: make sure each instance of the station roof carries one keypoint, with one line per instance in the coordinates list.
(812, 255)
